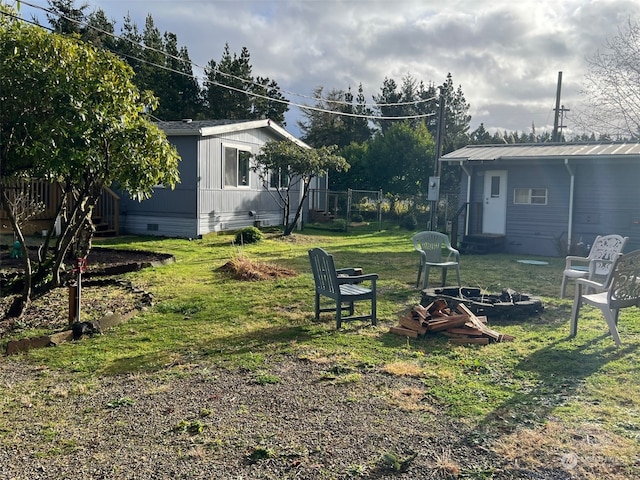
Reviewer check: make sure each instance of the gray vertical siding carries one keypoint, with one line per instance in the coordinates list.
(170, 213)
(228, 208)
(201, 204)
(606, 200)
(538, 229)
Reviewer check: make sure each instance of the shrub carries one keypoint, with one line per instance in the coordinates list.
(339, 224)
(410, 222)
(248, 235)
(356, 217)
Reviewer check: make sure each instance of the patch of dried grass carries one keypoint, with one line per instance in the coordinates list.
(404, 369)
(580, 451)
(242, 268)
(409, 399)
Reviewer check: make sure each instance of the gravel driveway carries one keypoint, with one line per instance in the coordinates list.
(301, 419)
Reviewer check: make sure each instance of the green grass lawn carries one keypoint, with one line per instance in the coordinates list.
(542, 390)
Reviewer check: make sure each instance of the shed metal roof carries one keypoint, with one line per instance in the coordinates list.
(527, 151)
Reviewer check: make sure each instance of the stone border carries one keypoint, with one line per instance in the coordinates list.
(55, 339)
(108, 321)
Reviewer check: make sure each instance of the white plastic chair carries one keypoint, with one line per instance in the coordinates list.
(431, 246)
(621, 290)
(597, 265)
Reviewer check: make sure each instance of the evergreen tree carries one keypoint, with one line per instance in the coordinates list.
(457, 118)
(68, 18)
(227, 85)
(332, 120)
(100, 31)
(387, 103)
(480, 136)
(187, 87)
(128, 46)
(357, 127)
(274, 106)
(230, 91)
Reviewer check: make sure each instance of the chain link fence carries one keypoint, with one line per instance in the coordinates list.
(354, 206)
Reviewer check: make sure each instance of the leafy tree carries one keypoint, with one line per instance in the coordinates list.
(358, 174)
(299, 165)
(612, 87)
(400, 160)
(72, 115)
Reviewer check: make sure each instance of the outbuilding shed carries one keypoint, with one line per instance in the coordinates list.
(548, 199)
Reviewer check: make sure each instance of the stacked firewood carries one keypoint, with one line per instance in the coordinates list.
(460, 324)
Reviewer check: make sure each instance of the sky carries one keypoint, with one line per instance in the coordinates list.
(504, 54)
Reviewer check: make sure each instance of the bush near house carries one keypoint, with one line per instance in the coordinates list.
(248, 235)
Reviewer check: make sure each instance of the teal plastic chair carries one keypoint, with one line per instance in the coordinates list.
(433, 246)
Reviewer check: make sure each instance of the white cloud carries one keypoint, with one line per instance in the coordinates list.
(505, 55)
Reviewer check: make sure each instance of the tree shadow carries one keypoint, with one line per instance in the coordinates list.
(551, 377)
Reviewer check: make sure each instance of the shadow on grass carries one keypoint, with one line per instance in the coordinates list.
(557, 374)
(245, 350)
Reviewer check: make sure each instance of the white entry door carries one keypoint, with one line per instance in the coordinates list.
(494, 212)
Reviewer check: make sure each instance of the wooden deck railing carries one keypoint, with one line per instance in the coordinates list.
(106, 214)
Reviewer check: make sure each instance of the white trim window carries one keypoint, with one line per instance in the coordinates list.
(237, 166)
(278, 179)
(530, 196)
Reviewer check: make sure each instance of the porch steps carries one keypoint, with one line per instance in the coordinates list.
(103, 229)
(482, 243)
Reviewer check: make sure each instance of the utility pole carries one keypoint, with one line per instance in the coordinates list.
(559, 111)
(434, 182)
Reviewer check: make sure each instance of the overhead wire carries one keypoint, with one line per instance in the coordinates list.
(228, 75)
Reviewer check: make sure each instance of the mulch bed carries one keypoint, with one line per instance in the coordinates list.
(100, 295)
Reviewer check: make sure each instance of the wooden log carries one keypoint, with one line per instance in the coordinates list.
(412, 324)
(475, 323)
(443, 323)
(435, 308)
(466, 331)
(405, 332)
(470, 340)
(421, 312)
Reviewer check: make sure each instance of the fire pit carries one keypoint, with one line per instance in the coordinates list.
(507, 304)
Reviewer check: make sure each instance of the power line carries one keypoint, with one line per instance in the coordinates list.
(227, 75)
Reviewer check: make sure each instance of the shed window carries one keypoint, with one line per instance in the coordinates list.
(236, 167)
(530, 196)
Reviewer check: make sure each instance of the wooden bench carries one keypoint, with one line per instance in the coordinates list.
(343, 286)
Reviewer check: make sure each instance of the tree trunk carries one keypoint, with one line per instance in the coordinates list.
(305, 193)
(81, 213)
(20, 304)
